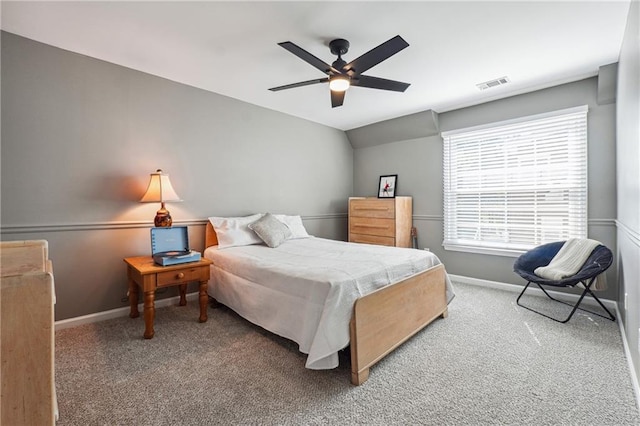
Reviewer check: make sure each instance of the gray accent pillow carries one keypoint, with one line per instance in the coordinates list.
(271, 230)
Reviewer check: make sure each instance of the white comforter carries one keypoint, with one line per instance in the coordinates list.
(305, 289)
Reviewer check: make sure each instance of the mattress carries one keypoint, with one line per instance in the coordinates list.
(304, 290)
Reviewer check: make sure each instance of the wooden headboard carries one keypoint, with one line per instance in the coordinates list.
(210, 237)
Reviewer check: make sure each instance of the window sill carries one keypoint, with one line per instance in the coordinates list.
(484, 250)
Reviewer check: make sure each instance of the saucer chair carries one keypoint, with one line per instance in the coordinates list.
(598, 262)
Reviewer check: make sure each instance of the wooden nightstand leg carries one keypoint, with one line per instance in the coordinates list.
(133, 299)
(183, 295)
(149, 313)
(203, 301)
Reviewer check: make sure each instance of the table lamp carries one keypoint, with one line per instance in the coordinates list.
(160, 190)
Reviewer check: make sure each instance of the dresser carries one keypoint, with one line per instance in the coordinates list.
(383, 221)
(27, 334)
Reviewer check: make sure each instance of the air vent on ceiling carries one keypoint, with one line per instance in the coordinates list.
(493, 83)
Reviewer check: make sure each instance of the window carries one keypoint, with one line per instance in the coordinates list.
(513, 185)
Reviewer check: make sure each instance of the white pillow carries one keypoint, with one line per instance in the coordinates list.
(234, 231)
(295, 225)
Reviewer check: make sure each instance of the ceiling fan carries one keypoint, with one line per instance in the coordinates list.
(342, 75)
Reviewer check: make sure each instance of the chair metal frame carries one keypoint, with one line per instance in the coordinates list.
(599, 261)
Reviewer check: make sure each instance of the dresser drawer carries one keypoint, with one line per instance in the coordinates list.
(371, 207)
(372, 239)
(181, 276)
(372, 226)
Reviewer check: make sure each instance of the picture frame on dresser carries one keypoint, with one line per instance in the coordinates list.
(387, 186)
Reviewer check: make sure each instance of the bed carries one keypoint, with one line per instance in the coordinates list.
(326, 295)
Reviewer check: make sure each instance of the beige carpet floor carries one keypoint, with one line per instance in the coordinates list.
(490, 362)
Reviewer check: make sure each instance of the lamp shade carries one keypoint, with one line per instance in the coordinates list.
(160, 189)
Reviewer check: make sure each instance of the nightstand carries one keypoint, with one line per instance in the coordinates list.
(143, 272)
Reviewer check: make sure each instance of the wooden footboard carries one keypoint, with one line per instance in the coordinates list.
(386, 318)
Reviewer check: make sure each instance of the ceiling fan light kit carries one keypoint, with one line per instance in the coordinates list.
(342, 75)
(339, 83)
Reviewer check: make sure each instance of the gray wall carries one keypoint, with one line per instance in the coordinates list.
(412, 126)
(628, 162)
(80, 137)
(418, 163)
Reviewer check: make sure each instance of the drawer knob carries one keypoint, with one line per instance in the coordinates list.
(180, 275)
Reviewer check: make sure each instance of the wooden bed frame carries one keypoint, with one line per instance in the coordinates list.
(383, 320)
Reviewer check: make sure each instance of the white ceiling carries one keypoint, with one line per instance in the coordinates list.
(231, 47)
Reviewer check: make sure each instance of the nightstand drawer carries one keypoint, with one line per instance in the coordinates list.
(181, 276)
(372, 226)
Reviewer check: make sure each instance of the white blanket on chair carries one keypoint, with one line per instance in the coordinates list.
(568, 260)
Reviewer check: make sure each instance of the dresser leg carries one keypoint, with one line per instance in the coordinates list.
(203, 301)
(183, 295)
(133, 299)
(149, 313)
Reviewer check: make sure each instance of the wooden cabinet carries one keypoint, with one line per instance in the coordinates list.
(383, 221)
(27, 334)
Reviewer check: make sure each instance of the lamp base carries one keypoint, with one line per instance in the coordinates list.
(163, 218)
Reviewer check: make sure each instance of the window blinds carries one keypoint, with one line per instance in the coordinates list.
(514, 185)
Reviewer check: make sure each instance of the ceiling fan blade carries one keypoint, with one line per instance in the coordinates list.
(379, 83)
(302, 83)
(309, 58)
(337, 98)
(376, 55)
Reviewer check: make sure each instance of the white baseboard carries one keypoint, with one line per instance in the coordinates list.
(116, 313)
(627, 353)
(566, 297)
